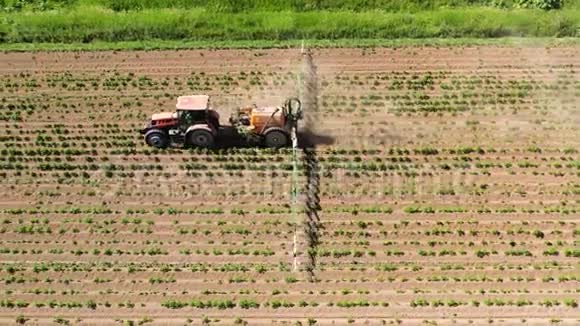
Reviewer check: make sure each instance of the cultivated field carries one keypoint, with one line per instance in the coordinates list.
(449, 190)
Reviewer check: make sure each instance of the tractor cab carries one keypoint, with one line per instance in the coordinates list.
(192, 110)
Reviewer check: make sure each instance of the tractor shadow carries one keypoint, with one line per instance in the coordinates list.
(308, 143)
(312, 206)
(229, 138)
(309, 139)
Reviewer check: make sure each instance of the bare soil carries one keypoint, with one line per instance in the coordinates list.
(484, 140)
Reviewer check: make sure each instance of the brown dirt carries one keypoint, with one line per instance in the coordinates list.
(383, 106)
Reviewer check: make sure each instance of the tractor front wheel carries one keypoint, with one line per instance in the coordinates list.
(201, 138)
(156, 138)
(276, 138)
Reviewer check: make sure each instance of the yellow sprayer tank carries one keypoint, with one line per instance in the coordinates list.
(272, 116)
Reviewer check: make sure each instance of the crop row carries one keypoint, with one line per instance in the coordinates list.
(353, 210)
(274, 304)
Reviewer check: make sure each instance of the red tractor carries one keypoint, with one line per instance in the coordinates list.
(195, 124)
(192, 123)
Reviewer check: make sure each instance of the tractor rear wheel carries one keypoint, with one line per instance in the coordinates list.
(275, 138)
(201, 138)
(156, 138)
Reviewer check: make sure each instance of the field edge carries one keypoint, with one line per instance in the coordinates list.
(269, 44)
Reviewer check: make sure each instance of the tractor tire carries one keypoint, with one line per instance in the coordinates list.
(156, 138)
(201, 138)
(276, 138)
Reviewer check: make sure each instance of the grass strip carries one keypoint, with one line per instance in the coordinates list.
(95, 24)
